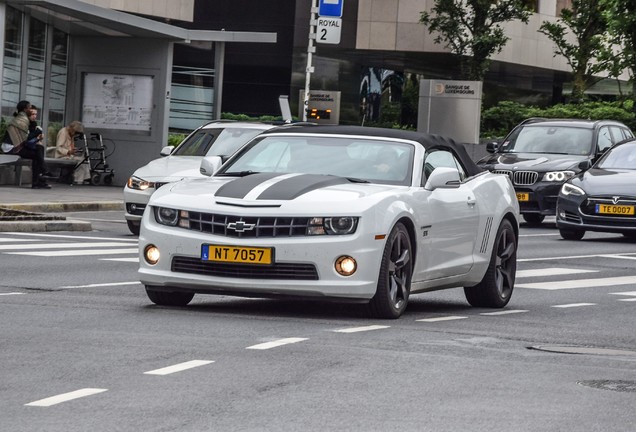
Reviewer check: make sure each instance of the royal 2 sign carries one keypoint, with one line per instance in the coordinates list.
(328, 30)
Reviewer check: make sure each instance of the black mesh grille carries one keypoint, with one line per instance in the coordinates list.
(248, 227)
(280, 271)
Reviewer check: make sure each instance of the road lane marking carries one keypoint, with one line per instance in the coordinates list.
(58, 245)
(97, 285)
(446, 318)
(135, 259)
(179, 367)
(577, 257)
(72, 237)
(361, 329)
(65, 397)
(77, 252)
(276, 343)
(506, 312)
(580, 283)
(627, 293)
(11, 293)
(573, 305)
(14, 240)
(628, 300)
(619, 257)
(556, 271)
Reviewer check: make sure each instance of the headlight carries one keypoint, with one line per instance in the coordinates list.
(332, 225)
(570, 189)
(558, 176)
(171, 217)
(139, 184)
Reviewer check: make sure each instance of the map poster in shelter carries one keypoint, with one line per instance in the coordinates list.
(116, 101)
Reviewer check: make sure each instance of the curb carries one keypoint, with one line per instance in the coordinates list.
(45, 226)
(63, 207)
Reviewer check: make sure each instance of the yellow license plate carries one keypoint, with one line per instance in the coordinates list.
(522, 196)
(620, 210)
(237, 254)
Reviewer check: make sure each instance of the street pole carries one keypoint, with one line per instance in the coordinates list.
(311, 49)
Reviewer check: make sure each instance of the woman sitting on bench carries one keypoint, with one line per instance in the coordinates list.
(18, 131)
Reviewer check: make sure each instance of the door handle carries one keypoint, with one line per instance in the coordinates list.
(471, 202)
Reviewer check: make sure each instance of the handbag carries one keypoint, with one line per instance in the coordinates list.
(7, 146)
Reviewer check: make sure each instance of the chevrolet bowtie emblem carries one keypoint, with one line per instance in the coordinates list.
(240, 226)
(615, 199)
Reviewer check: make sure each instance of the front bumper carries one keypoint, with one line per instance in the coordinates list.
(135, 202)
(542, 198)
(180, 267)
(572, 214)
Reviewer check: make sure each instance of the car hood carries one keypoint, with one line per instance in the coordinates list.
(531, 161)
(170, 168)
(599, 182)
(294, 192)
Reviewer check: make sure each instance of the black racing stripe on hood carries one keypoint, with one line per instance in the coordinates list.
(296, 186)
(243, 185)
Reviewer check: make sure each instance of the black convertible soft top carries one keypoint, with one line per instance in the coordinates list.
(428, 141)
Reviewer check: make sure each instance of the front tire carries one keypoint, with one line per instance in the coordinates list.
(164, 298)
(571, 234)
(394, 281)
(495, 289)
(134, 227)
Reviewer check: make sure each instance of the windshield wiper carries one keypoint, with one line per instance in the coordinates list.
(237, 173)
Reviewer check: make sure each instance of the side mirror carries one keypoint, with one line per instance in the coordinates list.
(443, 178)
(210, 165)
(585, 165)
(492, 147)
(166, 150)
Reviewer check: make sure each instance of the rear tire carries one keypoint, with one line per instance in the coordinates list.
(571, 234)
(394, 281)
(134, 227)
(533, 219)
(164, 298)
(495, 289)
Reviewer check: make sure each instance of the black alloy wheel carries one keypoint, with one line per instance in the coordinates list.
(394, 281)
(495, 289)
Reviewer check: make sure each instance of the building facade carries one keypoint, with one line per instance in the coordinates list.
(198, 58)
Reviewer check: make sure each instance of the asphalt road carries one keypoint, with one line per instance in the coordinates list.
(84, 349)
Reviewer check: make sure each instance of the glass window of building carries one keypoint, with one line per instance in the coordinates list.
(12, 61)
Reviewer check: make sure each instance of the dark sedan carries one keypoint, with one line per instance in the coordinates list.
(603, 198)
(539, 155)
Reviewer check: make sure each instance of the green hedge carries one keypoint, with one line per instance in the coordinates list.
(497, 121)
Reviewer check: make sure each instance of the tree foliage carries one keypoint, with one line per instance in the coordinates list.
(580, 37)
(471, 29)
(621, 19)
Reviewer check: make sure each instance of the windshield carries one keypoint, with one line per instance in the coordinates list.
(359, 159)
(619, 157)
(566, 140)
(216, 142)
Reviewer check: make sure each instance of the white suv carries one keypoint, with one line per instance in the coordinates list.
(215, 139)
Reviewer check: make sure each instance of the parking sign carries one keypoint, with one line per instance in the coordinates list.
(330, 8)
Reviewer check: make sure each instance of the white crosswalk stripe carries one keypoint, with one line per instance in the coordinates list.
(56, 245)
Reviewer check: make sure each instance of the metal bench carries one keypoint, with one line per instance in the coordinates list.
(17, 163)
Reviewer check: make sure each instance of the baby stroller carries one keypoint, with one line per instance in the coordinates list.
(95, 156)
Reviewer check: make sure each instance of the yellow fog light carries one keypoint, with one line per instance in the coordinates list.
(346, 265)
(151, 254)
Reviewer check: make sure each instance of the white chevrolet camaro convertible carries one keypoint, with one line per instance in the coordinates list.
(335, 212)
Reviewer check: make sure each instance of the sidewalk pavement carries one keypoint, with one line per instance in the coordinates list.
(59, 199)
